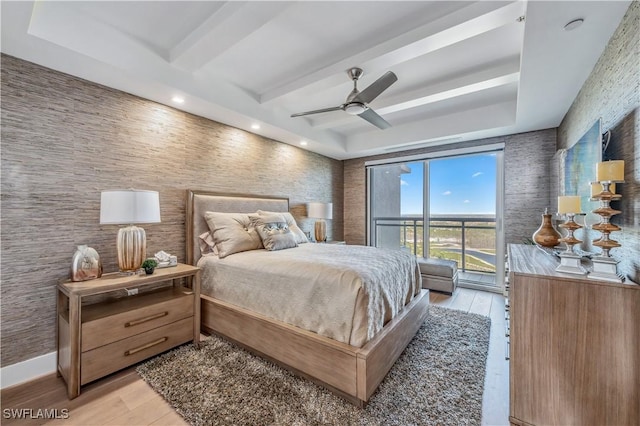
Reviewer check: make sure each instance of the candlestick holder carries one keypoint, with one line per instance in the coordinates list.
(569, 261)
(604, 266)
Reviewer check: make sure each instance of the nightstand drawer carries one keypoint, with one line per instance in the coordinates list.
(134, 316)
(115, 356)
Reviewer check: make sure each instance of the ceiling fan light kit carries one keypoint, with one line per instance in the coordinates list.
(356, 102)
(355, 108)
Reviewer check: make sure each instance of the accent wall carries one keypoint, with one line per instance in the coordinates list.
(65, 139)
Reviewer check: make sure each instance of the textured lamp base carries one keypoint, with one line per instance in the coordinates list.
(321, 231)
(569, 261)
(132, 249)
(605, 269)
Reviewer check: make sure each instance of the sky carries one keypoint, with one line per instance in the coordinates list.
(457, 185)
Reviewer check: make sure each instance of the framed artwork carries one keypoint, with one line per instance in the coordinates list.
(580, 166)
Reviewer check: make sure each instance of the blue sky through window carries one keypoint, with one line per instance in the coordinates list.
(457, 185)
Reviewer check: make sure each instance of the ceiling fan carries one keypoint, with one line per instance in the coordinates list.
(356, 103)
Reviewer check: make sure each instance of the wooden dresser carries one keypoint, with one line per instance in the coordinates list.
(574, 345)
(96, 338)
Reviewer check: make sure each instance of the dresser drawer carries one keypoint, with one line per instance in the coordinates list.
(142, 313)
(109, 358)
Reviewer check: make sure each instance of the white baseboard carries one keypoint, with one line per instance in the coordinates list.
(27, 370)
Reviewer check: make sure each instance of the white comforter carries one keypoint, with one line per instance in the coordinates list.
(343, 292)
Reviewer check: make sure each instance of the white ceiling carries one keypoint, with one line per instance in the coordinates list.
(466, 70)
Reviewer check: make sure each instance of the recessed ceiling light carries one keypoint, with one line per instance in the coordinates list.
(178, 99)
(573, 24)
(255, 126)
(303, 143)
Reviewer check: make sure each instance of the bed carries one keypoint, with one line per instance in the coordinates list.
(350, 368)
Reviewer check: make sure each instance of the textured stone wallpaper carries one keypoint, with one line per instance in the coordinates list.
(65, 139)
(526, 194)
(612, 92)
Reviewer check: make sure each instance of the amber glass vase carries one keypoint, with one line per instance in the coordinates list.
(546, 235)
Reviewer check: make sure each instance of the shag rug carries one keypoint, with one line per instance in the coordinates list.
(438, 380)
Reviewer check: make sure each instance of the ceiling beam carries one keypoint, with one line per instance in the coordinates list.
(449, 94)
(116, 60)
(466, 23)
(482, 118)
(230, 24)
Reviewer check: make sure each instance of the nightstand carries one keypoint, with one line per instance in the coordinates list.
(104, 336)
(336, 242)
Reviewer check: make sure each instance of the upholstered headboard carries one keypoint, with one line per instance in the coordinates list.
(199, 202)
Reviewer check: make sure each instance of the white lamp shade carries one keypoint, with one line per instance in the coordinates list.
(129, 207)
(320, 210)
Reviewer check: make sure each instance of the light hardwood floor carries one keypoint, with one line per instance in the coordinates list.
(125, 399)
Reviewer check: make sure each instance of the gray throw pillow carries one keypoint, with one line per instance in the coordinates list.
(273, 231)
(293, 226)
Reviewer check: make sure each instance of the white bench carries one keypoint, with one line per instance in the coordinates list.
(439, 274)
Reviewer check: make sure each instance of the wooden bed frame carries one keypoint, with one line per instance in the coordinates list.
(351, 372)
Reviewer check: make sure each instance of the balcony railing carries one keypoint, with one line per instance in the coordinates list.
(469, 240)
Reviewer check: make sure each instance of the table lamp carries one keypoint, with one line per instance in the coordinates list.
(569, 205)
(320, 211)
(129, 207)
(608, 173)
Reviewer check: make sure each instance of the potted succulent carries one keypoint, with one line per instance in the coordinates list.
(149, 265)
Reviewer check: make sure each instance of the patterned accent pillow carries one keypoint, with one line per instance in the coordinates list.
(273, 231)
(232, 233)
(293, 226)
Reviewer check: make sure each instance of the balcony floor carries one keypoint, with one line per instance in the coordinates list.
(476, 278)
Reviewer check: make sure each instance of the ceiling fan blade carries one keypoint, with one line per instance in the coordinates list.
(375, 88)
(372, 117)
(317, 111)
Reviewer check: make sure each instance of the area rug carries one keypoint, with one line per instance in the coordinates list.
(438, 380)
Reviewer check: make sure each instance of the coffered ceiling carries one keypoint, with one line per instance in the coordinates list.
(466, 70)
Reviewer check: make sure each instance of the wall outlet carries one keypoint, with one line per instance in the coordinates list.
(131, 291)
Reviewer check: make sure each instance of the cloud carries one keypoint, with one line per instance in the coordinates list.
(476, 174)
(446, 193)
(466, 201)
(403, 182)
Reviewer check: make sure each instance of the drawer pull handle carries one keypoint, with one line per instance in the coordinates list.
(147, 346)
(145, 319)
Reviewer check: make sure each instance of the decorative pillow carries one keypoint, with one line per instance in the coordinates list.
(300, 237)
(232, 233)
(274, 231)
(207, 245)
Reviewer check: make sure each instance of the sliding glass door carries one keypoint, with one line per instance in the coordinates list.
(462, 214)
(458, 197)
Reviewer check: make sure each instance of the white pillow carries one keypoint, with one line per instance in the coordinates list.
(232, 233)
